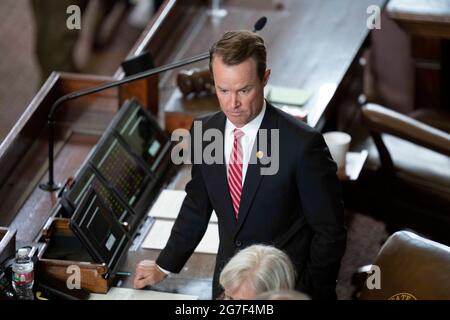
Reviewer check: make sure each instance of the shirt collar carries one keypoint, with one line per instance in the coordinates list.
(250, 128)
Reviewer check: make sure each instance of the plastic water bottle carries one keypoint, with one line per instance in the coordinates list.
(23, 275)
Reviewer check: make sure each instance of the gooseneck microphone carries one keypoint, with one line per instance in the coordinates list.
(260, 24)
(50, 185)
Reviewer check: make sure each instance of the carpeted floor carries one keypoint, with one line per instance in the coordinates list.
(364, 239)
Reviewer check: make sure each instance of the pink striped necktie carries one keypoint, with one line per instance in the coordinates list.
(235, 171)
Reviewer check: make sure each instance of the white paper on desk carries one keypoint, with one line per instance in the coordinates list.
(160, 232)
(354, 163)
(169, 203)
(132, 294)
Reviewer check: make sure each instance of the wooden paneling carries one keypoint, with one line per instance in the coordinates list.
(428, 22)
(428, 88)
(427, 49)
(427, 64)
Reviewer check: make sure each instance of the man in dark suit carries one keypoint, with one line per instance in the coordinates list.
(298, 208)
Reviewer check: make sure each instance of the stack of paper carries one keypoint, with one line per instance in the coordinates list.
(165, 211)
(132, 294)
(286, 95)
(160, 232)
(354, 164)
(168, 205)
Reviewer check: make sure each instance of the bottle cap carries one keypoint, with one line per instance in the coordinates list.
(22, 252)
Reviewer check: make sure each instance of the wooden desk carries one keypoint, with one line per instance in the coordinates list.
(313, 45)
(428, 19)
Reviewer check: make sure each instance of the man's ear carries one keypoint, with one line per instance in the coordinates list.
(266, 77)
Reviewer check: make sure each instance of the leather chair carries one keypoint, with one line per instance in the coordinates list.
(410, 162)
(411, 268)
(435, 118)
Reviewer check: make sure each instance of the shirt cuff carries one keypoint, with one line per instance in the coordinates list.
(163, 270)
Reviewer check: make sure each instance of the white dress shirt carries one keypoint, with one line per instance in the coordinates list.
(250, 131)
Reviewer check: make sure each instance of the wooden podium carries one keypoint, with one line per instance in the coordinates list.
(23, 155)
(79, 125)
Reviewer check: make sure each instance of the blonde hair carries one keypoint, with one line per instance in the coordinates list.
(264, 268)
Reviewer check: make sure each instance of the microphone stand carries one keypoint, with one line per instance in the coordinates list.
(50, 185)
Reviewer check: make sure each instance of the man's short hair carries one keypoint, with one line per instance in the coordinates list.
(237, 46)
(264, 268)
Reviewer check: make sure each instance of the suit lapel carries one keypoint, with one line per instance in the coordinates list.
(253, 176)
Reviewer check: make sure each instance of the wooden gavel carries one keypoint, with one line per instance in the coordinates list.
(195, 81)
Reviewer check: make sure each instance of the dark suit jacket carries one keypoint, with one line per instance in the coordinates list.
(298, 210)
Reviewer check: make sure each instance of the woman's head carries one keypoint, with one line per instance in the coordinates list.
(257, 269)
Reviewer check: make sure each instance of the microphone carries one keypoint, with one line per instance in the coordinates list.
(50, 185)
(259, 25)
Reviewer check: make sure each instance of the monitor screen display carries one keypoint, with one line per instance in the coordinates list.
(121, 170)
(144, 138)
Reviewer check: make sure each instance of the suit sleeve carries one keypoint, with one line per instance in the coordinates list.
(322, 203)
(190, 225)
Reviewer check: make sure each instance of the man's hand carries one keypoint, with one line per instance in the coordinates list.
(147, 273)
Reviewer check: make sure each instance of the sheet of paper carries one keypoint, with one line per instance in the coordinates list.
(286, 95)
(131, 294)
(160, 232)
(169, 203)
(354, 163)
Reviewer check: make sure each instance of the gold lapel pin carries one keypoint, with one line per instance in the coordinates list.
(259, 154)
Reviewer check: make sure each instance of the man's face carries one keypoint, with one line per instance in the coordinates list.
(239, 89)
